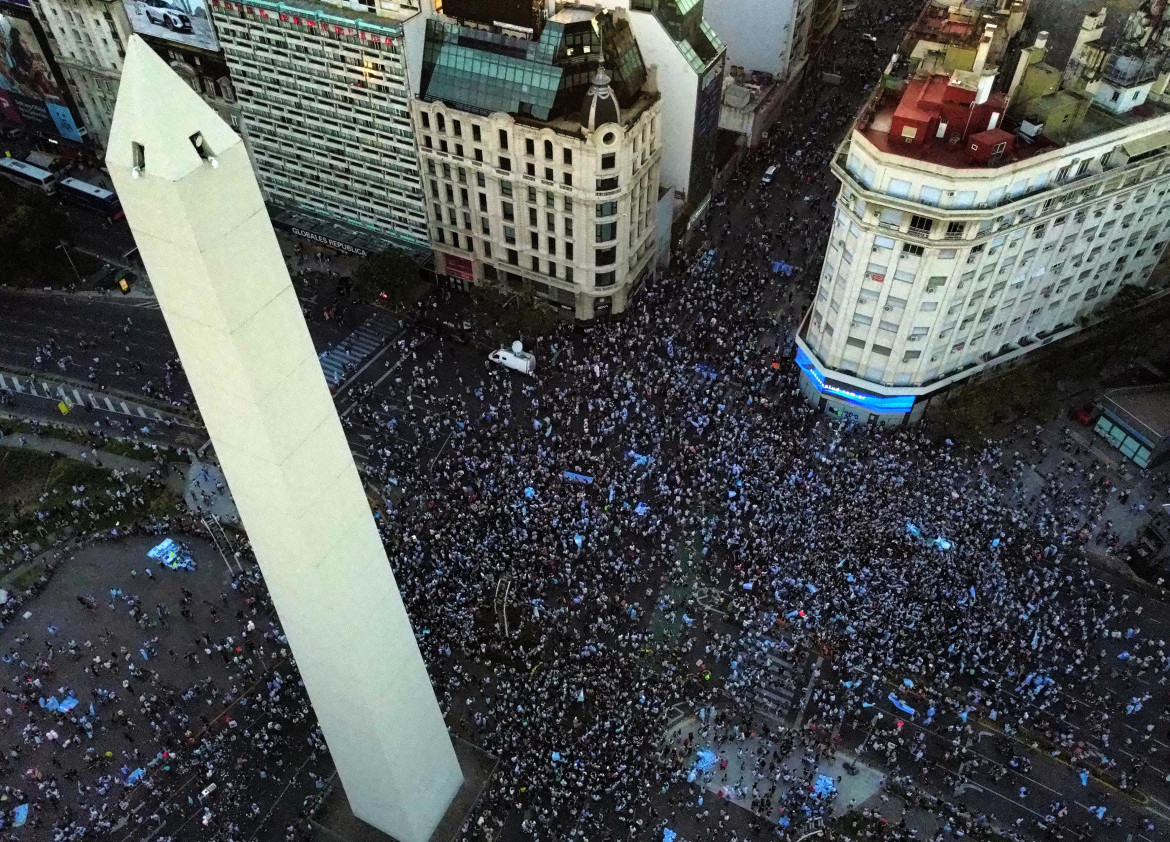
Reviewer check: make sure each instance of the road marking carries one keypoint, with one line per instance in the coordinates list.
(142, 412)
(125, 408)
(77, 399)
(3, 382)
(109, 404)
(16, 382)
(93, 401)
(157, 416)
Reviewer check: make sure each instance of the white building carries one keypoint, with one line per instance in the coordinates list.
(325, 96)
(770, 36)
(959, 245)
(676, 39)
(88, 39)
(549, 175)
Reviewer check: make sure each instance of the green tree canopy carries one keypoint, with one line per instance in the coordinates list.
(390, 273)
(31, 228)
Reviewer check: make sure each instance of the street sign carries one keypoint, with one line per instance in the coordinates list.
(64, 407)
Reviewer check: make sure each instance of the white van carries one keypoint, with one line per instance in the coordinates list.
(516, 358)
(769, 174)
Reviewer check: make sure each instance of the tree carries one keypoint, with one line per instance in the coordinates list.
(515, 314)
(31, 228)
(390, 276)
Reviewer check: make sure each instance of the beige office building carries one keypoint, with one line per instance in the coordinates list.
(975, 225)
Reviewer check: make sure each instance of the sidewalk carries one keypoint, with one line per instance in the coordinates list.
(81, 452)
(205, 491)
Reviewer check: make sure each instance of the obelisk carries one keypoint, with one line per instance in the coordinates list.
(197, 215)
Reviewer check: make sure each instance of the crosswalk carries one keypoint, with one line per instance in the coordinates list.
(775, 681)
(73, 396)
(343, 360)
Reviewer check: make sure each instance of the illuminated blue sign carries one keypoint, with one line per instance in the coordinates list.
(873, 403)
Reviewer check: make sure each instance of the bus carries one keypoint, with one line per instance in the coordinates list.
(28, 175)
(90, 196)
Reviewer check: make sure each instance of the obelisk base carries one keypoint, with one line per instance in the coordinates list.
(335, 822)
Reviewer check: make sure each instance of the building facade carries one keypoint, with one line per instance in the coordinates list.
(539, 167)
(325, 98)
(972, 229)
(88, 39)
(768, 36)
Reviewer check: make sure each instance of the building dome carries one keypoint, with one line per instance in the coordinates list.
(600, 106)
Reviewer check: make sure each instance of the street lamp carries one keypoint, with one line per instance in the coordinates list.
(68, 257)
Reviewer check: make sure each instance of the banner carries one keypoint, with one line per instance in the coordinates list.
(29, 91)
(182, 21)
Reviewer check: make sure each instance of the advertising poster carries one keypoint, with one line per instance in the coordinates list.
(184, 21)
(29, 92)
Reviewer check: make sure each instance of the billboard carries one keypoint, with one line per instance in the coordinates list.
(183, 21)
(30, 94)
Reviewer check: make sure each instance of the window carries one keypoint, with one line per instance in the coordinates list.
(503, 138)
(567, 155)
(921, 225)
(911, 355)
(607, 208)
(928, 306)
(608, 160)
(426, 120)
(606, 256)
(509, 235)
(509, 211)
(854, 342)
(512, 257)
(568, 179)
(955, 230)
(606, 231)
(534, 240)
(910, 248)
(505, 163)
(552, 245)
(606, 279)
(881, 350)
(529, 146)
(475, 133)
(457, 128)
(440, 122)
(569, 251)
(604, 184)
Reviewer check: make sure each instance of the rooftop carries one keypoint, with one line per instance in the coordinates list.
(961, 72)
(542, 79)
(1146, 408)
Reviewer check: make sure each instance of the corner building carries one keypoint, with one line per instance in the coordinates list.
(325, 98)
(540, 156)
(975, 225)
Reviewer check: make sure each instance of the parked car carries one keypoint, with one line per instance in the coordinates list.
(162, 13)
(769, 174)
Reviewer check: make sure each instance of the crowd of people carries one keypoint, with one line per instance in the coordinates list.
(654, 458)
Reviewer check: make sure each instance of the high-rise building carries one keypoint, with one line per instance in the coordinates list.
(976, 223)
(541, 153)
(88, 38)
(768, 36)
(325, 97)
